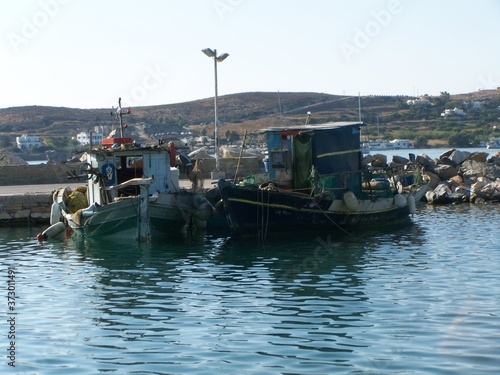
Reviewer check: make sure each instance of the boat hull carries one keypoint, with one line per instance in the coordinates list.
(252, 211)
(167, 214)
(118, 219)
(171, 212)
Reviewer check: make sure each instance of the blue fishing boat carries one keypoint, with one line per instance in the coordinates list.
(317, 180)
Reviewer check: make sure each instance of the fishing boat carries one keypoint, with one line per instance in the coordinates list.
(132, 191)
(317, 181)
(378, 145)
(493, 143)
(400, 144)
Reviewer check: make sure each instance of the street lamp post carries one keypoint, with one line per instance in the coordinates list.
(213, 54)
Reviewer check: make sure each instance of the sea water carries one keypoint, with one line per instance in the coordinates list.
(422, 298)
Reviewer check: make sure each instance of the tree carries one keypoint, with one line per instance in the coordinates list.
(233, 137)
(460, 139)
(5, 141)
(57, 143)
(444, 95)
(421, 142)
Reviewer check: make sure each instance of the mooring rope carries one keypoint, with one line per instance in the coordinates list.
(328, 217)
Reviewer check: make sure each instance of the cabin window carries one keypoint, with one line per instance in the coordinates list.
(279, 159)
(129, 167)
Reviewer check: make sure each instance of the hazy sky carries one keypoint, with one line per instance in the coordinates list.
(87, 53)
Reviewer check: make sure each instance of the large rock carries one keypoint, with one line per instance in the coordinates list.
(433, 179)
(471, 170)
(447, 153)
(478, 156)
(55, 156)
(400, 160)
(458, 156)
(380, 161)
(424, 160)
(485, 190)
(495, 159)
(442, 194)
(367, 160)
(445, 172)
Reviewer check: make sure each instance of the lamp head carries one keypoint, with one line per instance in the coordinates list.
(208, 52)
(222, 57)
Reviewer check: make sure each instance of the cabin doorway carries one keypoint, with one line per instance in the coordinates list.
(302, 162)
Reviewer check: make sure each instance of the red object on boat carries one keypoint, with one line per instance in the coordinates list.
(108, 142)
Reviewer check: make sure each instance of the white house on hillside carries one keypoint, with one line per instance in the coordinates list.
(475, 105)
(84, 138)
(419, 102)
(26, 142)
(454, 111)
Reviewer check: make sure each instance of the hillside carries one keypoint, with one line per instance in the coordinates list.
(255, 110)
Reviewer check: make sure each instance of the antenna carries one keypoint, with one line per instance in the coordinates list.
(119, 114)
(308, 118)
(359, 106)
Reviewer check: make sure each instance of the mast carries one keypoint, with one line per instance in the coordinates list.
(359, 106)
(119, 115)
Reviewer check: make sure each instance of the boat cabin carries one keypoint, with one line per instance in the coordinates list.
(330, 151)
(116, 166)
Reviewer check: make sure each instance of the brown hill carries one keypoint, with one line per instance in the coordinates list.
(255, 107)
(236, 112)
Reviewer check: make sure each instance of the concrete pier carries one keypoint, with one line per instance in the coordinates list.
(31, 204)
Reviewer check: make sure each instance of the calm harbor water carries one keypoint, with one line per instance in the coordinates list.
(422, 298)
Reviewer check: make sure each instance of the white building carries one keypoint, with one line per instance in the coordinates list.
(84, 138)
(26, 142)
(454, 111)
(477, 106)
(419, 102)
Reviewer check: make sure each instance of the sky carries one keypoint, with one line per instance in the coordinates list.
(88, 53)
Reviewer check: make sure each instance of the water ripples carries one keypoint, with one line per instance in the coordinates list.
(417, 299)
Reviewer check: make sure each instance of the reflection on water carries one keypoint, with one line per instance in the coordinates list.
(410, 299)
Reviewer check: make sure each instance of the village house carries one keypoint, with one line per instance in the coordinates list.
(27, 142)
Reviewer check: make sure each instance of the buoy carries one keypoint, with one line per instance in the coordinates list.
(351, 201)
(202, 209)
(399, 201)
(55, 213)
(199, 202)
(51, 231)
(411, 204)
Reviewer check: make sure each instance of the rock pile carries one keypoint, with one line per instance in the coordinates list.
(8, 158)
(464, 177)
(458, 176)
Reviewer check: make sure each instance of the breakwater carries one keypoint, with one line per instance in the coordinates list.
(454, 176)
(36, 174)
(26, 204)
(25, 208)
